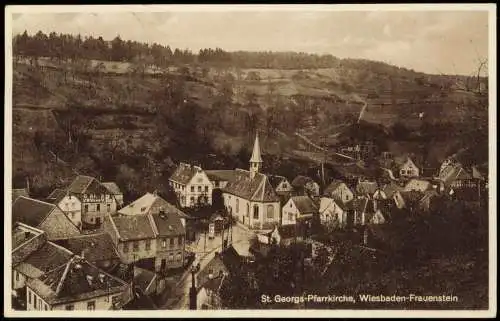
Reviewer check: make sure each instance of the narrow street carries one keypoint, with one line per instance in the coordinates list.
(205, 251)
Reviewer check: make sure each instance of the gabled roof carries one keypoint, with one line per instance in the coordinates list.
(57, 195)
(132, 227)
(255, 189)
(214, 267)
(336, 183)
(80, 184)
(48, 257)
(168, 224)
(366, 188)
(25, 241)
(412, 196)
(301, 180)
(215, 283)
(113, 188)
(76, 280)
(96, 247)
(184, 173)
(30, 211)
(304, 204)
(150, 203)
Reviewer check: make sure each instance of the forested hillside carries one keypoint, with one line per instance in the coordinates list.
(127, 111)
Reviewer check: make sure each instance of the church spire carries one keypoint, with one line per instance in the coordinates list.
(256, 159)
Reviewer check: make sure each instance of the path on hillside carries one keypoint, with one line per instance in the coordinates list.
(321, 148)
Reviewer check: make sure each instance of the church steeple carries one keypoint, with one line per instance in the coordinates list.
(256, 159)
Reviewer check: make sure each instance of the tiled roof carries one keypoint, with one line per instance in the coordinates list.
(150, 203)
(143, 278)
(30, 211)
(48, 257)
(301, 180)
(257, 189)
(304, 204)
(112, 188)
(366, 188)
(22, 235)
(96, 247)
(214, 267)
(57, 195)
(333, 186)
(17, 192)
(220, 175)
(132, 227)
(184, 173)
(75, 281)
(168, 224)
(80, 184)
(25, 241)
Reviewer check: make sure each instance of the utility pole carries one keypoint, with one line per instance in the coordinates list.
(192, 290)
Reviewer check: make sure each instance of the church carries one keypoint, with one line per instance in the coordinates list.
(248, 194)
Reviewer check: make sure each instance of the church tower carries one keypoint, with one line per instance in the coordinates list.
(256, 159)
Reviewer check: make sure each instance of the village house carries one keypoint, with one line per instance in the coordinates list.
(417, 184)
(98, 249)
(303, 185)
(133, 237)
(411, 200)
(70, 205)
(75, 285)
(426, 202)
(96, 200)
(366, 189)
(156, 237)
(339, 191)
(407, 168)
(44, 216)
(366, 211)
(114, 190)
(333, 212)
(283, 235)
(465, 183)
(392, 191)
(280, 184)
(192, 185)
(298, 208)
(248, 195)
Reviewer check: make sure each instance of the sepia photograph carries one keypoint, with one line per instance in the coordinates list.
(250, 160)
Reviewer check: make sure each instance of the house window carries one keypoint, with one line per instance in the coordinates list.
(290, 217)
(206, 189)
(172, 242)
(255, 212)
(199, 189)
(171, 257)
(29, 297)
(98, 208)
(192, 200)
(46, 307)
(17, 275)
(91, 305)
(125, 247)
(108, 208)
(270, 211)
(34, 301)
(237, 205)
(72, 215)
(70, 307)
(192, 189)
(248, 209)
(164, 243)
(179, 240)
(291, 205)
(136, 246)
(86, 208)
(148, 245)
(178, 257)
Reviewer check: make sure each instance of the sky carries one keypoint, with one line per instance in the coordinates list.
(447, 42)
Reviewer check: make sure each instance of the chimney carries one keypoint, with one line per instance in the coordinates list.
(27, 234)
(101, 277)
(162, 213)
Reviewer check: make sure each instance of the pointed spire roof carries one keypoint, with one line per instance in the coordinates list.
(256, 158)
